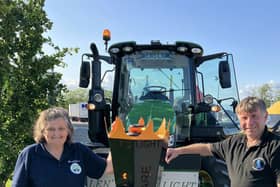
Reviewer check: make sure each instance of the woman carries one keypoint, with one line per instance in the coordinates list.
(55, 161)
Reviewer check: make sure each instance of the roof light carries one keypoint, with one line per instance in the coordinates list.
(115, 50)
(127, 49)
(182, 49)
(106, 35)
(196, 50)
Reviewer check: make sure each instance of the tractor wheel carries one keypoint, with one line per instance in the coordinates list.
(213, 173)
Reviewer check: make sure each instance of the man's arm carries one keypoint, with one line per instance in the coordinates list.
(204, 149)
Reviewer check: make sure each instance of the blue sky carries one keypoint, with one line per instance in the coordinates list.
(250, 30)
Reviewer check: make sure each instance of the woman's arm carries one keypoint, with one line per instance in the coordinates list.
(109, 166)
(20, 175)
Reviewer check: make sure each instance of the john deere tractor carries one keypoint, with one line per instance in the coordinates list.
(195, 93)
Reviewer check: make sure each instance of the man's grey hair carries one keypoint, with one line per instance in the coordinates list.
(250, 104)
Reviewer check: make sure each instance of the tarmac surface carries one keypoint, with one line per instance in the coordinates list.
(81, 132)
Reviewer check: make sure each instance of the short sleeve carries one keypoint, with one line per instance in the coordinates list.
(275, 164)
(20, 177)
(95, 165)
(219, 149)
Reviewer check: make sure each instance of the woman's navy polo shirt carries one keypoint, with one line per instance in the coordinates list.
(36, 167)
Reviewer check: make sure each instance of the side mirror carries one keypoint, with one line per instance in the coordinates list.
(234, 105)
(224, 74)
(84, 74)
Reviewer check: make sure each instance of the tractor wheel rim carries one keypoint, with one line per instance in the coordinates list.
(205, 180)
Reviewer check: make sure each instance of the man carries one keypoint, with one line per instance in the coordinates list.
(252, 157)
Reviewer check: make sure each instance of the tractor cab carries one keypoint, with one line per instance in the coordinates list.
(196, 94)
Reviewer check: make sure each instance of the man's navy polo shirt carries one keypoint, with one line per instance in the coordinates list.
(256, 166)
(36, 167)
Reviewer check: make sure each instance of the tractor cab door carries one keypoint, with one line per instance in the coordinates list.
(216, 77)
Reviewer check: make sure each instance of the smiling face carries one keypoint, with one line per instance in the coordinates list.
(56, 132)
(253, 123)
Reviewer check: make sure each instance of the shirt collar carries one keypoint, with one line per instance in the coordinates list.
(264, 137)
(41, 149)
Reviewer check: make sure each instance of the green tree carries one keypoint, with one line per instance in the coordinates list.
(268, 92)
(79, 95)
(75, 96)
(28, 82)
(108, 94)
(277, 96)
(265, 92)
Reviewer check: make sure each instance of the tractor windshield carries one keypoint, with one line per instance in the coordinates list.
(159, 75)
(149, 77)
(157, 84)
(161, 83)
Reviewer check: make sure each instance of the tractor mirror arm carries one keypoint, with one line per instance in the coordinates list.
(202, 59)
(198, 108)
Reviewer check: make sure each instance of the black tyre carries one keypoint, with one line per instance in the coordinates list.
(213, 173)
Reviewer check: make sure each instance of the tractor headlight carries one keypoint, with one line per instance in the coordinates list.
(208, 99)
(98, 97)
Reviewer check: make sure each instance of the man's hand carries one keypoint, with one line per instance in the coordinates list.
(171, 153)
(203, 149)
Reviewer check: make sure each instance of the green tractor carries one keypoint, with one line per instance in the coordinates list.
(196, 94)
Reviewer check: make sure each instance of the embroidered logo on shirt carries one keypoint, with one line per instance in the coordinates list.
(258, 164)
(75, 168)
(73, 161)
